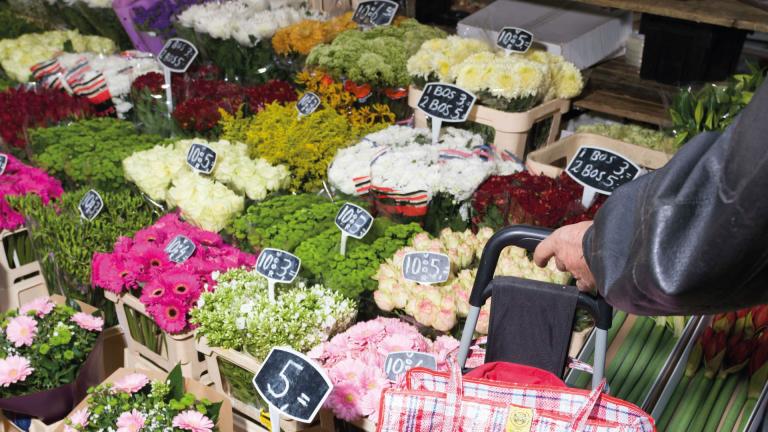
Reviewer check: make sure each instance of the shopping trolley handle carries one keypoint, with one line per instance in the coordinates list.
(527, 237)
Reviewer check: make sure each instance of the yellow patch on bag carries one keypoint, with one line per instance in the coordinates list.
(519, 419)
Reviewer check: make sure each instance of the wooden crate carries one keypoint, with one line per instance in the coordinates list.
(552, 159)
(249, 414)
(511, 128)
(19, 284)
(174, 349)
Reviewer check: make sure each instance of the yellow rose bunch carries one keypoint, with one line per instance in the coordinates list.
(510, 82)
(301, 37)
(18, 55)
(306, 145)
(163, 174)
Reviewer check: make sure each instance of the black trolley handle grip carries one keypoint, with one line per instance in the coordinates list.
(527, 237)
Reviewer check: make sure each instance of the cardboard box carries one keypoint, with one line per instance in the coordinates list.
(583, 34)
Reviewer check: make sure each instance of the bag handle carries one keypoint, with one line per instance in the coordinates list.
(579, 422)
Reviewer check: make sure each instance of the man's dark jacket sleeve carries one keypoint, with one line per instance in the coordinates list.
(692, 237)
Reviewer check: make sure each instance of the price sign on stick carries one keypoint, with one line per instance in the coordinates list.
(180, 249)
(400, 362)
(176, 56)
(293, 385)
(600, 171)
(90, 205)
(426, 267)
(277, 266)
(201, 158)
(445, 102)
(3, 162)
(514, 40)
(308, 104)
(353, 221)
(374, 13)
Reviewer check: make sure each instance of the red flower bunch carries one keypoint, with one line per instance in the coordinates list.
(531, 199)
(169, 290)
(18, 180)
(21, 109)
(198, 100)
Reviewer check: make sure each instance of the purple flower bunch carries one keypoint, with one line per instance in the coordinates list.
(159, 16)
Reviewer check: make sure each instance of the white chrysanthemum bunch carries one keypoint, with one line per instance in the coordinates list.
(206, 201)
(246, 21)
(433, 62)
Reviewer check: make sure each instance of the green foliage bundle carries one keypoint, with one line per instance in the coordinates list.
(89, 152)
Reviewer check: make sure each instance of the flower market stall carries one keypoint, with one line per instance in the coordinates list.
(289, 231)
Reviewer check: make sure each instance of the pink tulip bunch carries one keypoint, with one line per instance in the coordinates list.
(19, 179)
(140, 265)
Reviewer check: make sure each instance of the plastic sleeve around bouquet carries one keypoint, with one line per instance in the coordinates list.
(52, 405)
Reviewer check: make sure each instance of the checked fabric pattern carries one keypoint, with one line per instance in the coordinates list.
(431, 401)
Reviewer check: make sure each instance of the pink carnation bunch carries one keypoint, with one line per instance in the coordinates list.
(354, 360)
(19, 179)
(168, 290)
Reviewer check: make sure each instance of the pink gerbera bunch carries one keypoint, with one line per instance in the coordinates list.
(19, 180)
(355, 361)
(140, 265)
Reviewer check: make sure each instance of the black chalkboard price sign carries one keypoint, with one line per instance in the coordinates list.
(90, 205)
(177, 55)
(3, 162)
(201, 158)
(446, 102)
(426, 267)
(513, 39)
(354, 220)
(293, 384)
(308, 103)
(278, 265)
(180, 249)
(400, 362)
(373, 13)
(600, 169)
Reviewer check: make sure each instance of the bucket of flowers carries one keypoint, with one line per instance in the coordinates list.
(153, 295)
(515, 91)
(133, 400)
(237, 325)
(50, 353)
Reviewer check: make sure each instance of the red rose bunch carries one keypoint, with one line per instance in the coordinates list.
(530, 199)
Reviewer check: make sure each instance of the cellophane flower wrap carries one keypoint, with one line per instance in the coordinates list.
(305, 145)
(91, 17)
(140, 266)
(43, 345)
(240, 316)
(508, 82)
(134, 402)
(525, 198)
(22, 109)
(440, 306)
(209, 202)
(89, 152)
(18, 55)
(97, 77)
(19, 179)
(235, 34)
(199, 100)
(354, 361)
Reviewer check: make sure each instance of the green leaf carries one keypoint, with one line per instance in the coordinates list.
(176, 382)
(213, 412)
(698, 114)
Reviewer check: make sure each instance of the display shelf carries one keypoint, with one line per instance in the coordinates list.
(727, 13)
(615, 88)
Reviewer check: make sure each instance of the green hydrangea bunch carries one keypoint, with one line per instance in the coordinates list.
(240, 316)
(377, 56)
(89, 152)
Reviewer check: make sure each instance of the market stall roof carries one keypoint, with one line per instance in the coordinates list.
(728, 13)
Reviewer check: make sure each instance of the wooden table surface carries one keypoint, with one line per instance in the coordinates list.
(728, 13)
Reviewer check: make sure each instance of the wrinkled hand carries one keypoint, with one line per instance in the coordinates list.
(565, 244)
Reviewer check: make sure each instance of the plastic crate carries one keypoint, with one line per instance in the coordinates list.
(221, 363)
(511, 129)
(163, 351)
(680, 51)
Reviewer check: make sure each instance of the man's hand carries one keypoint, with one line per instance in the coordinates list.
(565, 244)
